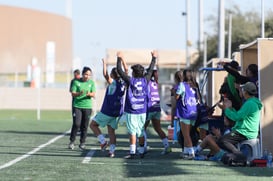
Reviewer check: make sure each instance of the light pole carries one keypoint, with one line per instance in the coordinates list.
(229, 35)
(221, 29)
(262, 18)
(187, 14)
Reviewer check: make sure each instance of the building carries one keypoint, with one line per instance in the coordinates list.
(25, 34)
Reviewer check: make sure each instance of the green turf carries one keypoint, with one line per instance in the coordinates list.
(21, 132)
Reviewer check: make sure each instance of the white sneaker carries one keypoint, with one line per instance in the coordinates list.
(71, 145)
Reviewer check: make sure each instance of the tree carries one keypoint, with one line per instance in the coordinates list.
(245, 29)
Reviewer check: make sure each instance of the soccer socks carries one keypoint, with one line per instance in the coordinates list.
(145, 138)
(112, 148)
(188, 150)
(101, 139)
(191, 151)
(198, 149)
(132, 149)
(165, 142)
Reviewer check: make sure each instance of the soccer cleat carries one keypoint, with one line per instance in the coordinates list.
(111, 155)
(104, 146)
(166, 151)
(187, 156)
(82, 146)
(71, 145)
(130, 156)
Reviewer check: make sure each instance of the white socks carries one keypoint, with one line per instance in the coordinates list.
(101, 139)
(132, 149)
(112, 148)
(165, 142)
(188, 150)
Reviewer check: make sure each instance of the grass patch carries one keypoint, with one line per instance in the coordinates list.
(20, 133)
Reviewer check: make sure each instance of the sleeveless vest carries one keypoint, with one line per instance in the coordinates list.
(136, 96)
(186, 106)
(153, 97)
(113, 99)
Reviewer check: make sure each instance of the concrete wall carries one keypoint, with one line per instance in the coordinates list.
(260, 52)
(50, 98)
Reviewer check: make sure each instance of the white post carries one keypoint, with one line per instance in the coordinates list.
(187, 33)
(205, 51)
(201, 26)
(262, 18)
(38, 103)
(68, 8)
(38, 87)
(229, 35)
(221, 29)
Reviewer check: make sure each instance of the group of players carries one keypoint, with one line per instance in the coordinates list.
(137, 99)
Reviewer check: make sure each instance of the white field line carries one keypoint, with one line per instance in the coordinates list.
(88, 157)
(32, 151)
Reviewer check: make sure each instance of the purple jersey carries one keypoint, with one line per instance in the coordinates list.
(113, 100)
(136, 96)
(186, 106)
(153, 97)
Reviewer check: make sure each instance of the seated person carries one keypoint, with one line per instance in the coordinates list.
(247, 119)
(210, 141)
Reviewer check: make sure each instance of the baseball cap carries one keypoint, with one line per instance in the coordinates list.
(234, 64)
(249, 87)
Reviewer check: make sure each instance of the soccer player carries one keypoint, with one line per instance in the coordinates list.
(82, 90)
(186, 112)
(154, 113)
(136, 102)
(112, 108)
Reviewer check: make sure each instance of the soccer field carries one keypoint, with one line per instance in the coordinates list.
(37, 150)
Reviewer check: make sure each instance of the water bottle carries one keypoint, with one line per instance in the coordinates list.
(175, 130)
(269, 160)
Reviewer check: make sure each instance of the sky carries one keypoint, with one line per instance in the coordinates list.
(125, 24)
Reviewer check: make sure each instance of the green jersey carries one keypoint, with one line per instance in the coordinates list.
(247, 118)
(83, 101)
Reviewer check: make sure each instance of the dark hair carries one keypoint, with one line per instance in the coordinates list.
(77, 71)
(138, 70)
(253, 68)
(185, 78)
(114, 72)
(85, 69)
(178, 76)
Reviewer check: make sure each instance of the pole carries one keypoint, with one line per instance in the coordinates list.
(68, 9)
(187, 33)
(201, 26)
(262, 18)
(221, 29)
(229, 35)
(205, 51)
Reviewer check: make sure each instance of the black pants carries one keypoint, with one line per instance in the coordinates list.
(81, 119)
(229, 141)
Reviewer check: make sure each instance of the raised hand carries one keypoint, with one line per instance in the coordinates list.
(154, 53)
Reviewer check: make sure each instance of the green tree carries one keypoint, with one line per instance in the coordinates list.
(245, 29)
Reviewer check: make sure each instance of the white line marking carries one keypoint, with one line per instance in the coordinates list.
(88, 157)
(12, 162)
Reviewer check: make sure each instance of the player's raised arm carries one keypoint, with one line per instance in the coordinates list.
(105, 72)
